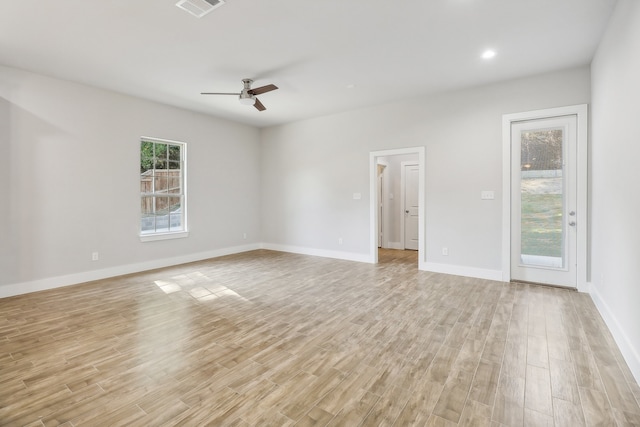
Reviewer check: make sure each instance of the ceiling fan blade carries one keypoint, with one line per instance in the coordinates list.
(262, 89)
(218, 93)
(259, 105)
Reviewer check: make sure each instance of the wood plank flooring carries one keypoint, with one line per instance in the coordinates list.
(273, 339)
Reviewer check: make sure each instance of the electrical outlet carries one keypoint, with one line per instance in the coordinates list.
(95, 256)
(339, 240)
(244, 236)
(445, 251)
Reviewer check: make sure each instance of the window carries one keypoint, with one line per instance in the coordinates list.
(162, 189)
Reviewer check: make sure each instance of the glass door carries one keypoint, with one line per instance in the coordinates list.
(543, 201)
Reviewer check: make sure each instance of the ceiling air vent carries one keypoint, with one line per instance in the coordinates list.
(199, 8)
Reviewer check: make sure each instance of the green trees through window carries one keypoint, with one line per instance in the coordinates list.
(541, 191)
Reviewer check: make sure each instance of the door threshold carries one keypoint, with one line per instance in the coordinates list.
(547, 285)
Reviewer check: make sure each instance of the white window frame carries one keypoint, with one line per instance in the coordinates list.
(184, 231)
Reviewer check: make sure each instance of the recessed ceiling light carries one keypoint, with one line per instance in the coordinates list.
(488, 54)
(351, 86)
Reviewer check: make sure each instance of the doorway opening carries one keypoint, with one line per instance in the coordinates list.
(397, 189)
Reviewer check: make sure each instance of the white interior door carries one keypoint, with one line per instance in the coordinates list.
(410, 177)
(381, 217)
(544, 201)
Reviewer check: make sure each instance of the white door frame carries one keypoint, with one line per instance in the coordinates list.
(581, 223)
(373, 202)
(403, 184)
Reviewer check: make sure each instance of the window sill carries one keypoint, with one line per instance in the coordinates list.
(163, 236)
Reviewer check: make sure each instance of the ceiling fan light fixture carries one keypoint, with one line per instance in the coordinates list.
(247, 100)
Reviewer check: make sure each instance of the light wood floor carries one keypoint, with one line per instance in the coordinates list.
(267, 338)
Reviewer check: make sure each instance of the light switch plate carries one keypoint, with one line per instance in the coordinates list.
(357, 196)
(487, 195)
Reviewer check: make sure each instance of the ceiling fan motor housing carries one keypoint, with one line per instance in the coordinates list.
(246, 98)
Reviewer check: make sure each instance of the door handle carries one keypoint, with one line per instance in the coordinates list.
(405, 212)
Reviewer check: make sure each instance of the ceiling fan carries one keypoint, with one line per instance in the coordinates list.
(248, 95)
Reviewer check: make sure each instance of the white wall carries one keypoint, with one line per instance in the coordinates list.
(70, 160)
(615, 180)
(69, 182)
(312, 168)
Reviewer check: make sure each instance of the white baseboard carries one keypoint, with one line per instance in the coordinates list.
(88, 276)
(458, 270)
(347, 256)
(629, 352)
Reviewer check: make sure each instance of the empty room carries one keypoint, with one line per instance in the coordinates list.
(246, 213)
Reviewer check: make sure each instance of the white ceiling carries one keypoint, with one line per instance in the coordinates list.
(312, 50)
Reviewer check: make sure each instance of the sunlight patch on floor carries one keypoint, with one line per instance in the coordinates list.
(186, 284)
